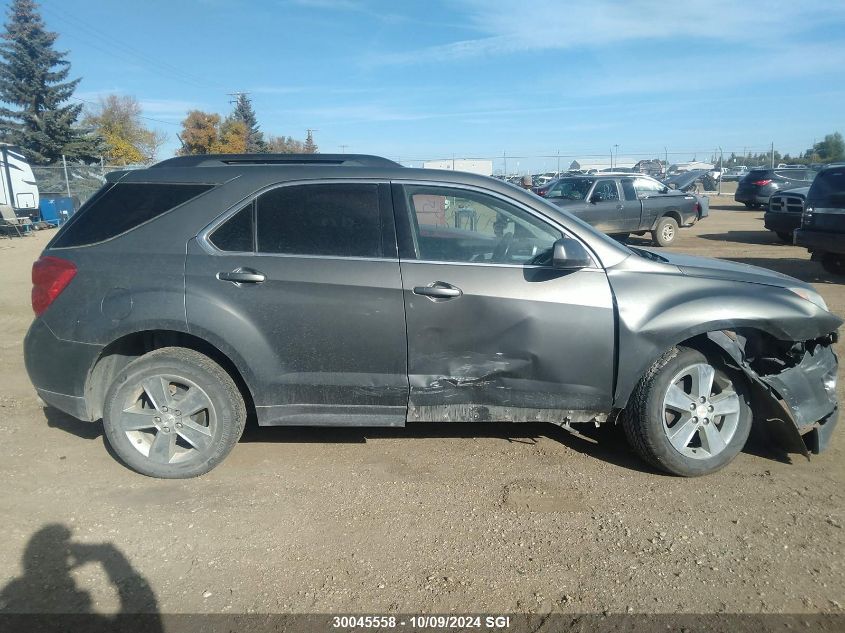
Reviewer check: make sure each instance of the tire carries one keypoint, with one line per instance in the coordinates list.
(663, 400)
(786, 237)
(834, 263)
(138, 424)
(665, 231)
(749, 205)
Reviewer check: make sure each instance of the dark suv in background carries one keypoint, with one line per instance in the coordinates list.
(755, 189)
(822, 229)
(346, 290)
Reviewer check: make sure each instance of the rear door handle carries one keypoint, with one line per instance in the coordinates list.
(243, 276)
(439, 290)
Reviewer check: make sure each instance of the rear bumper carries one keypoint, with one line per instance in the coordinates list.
(782, 222)
(58, 369)
(819, 241)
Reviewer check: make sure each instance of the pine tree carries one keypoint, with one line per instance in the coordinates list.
(244, 113)
(33, 77)
(310, 147)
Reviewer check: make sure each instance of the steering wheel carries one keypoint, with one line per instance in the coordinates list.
(500, 253)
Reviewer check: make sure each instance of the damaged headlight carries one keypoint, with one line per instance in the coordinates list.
(812, 296)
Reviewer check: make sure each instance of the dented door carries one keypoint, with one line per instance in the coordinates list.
(499, 341)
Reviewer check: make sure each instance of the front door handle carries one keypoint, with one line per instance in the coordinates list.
(242, 276)
(438, 291)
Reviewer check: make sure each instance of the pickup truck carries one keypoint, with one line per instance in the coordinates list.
(623, 204)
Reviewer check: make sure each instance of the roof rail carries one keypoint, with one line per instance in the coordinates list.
(222, 160)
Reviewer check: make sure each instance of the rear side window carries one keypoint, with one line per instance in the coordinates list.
(828, 189)
(237, 234)
(123, 207)
(340, 220)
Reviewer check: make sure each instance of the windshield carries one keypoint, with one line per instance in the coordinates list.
(570, 188)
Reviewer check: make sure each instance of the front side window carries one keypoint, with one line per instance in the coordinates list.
(339, 220)
(570, 189)
(454, 225)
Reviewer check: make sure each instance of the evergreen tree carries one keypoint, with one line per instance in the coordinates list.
(33, 81)
(310, 147)
(244, 113)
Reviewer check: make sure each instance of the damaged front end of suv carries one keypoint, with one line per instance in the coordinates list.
(794, 384)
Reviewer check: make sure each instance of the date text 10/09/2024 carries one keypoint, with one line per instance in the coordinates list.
(421, 621)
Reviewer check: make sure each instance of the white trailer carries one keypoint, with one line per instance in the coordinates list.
(471, 165)
(18, 190)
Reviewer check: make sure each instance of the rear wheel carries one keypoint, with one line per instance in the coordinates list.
(689, 415)
(173, 413)
(749, 205)
(834, 263)
(786, 237)
(665, 231)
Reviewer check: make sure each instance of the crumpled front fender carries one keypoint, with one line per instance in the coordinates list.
(798, 402)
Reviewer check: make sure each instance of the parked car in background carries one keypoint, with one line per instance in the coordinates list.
(692, 181)
(760, 183)
(822, 230)
(347, 290)
(620, 204)
(735, 174)
(784, 213)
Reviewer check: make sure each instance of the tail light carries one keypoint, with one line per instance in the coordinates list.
(761, 183)
(50, 276)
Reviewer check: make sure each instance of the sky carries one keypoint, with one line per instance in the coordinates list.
(415, 80)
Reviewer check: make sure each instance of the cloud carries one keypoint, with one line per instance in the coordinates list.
(548, 25)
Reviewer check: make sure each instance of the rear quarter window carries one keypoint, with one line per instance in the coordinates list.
(123, 207)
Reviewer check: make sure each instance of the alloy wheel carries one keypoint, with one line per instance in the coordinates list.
(701, 411)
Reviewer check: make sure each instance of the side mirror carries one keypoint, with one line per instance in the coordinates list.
(596, 197)
(664, 190)
(570, 254)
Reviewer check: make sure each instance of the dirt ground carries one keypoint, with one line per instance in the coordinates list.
(434, 518)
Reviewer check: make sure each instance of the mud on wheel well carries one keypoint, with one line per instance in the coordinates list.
(123, 351)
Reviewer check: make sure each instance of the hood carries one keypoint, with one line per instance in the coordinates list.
(732, 271)
(798, 191)
(721, 269)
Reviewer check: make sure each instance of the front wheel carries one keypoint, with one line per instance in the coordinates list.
(173, 413)
(665, 231)
(689, 415)
(785, 237)
(834, 263)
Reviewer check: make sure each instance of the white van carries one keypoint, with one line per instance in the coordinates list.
(18, 191)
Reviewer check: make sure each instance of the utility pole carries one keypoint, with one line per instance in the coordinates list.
(505, 157)
(343, 149)
(558, 163)
(721, 168)
(773, 154)
(237, 96)
(616, 145)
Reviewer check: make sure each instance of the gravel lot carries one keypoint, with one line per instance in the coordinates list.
(436, 518)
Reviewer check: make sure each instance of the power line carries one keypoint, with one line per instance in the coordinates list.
(121, 48)
(139, 116)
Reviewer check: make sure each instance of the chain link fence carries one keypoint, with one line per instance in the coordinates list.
(74, 180)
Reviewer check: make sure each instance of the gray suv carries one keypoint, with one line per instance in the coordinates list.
(346, 290)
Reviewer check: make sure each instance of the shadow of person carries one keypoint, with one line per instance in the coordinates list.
(47, 586)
